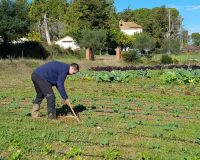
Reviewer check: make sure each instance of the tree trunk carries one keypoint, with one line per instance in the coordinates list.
(89, 54)
(118, 53)
(47, 30)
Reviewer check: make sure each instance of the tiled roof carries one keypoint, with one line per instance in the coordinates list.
(128, 25)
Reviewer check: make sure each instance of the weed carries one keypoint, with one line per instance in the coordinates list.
(175, 112)
(16, 155)
(47, 149)
(104, 141)
(111, 154)
(73, 152)
(171, 126)
(131, 125)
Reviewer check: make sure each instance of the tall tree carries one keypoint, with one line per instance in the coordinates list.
(13, 19)
(56, 9)
(48, 18)
(90, 14)
(37, 10)
(95, 13)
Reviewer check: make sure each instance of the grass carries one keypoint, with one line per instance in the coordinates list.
(184, 58)
(135, 120)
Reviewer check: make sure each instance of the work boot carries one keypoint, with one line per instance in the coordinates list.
(35, 110)
(52, 115)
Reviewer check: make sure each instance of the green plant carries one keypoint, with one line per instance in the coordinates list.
(189, 106)
(16, 155)
(158, 135)
(131, 125)
(138, 104)
(171, 126)
(149, 111)
(131, 56)
(47, 149)
(198, 116)
(175, 112)
(145, 156)
(73, 152)
(90, 122)
(198, 139)
(64, 138)
(170, 45)
(104, 141)
(111, 154)
(140, 122)
(144, 44)
(166, 59)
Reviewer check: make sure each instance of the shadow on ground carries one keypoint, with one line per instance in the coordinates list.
(65, 110)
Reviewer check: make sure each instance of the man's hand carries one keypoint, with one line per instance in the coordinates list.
(67, 102)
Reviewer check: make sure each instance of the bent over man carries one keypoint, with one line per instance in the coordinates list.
(44, 78)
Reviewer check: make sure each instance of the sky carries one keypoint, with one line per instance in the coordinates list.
(188, 9)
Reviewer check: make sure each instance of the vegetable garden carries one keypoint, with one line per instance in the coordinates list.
(140, 114)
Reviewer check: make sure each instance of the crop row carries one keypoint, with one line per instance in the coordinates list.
(157, 67)
(176, 76)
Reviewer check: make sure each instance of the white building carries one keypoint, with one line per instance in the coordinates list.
(20, 40)
(67, 42)
(129, 28)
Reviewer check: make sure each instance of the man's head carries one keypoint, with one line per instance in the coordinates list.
(74, 68)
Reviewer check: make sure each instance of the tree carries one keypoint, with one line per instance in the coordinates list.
(37, 10)
(13, 19)
(93, 39)
(196, 39)
(171, 45)
(90, 14)
(96, 13)
(144, 43)
(184, 36)
(36, 13)
(122, 40)
(56, 13)
(48, 18)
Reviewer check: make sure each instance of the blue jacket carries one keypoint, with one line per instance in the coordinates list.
(55, 72)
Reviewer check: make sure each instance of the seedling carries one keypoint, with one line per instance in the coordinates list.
(104, 142)
(131, 125)
(112, 154)
(47, 149)
(73, 152)
(16, 155)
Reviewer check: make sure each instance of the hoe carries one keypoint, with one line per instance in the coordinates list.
(74, 113)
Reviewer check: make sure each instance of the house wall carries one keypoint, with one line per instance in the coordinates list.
(68, 44)
(132, 31)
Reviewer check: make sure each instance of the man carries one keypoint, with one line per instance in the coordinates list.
(44, 77)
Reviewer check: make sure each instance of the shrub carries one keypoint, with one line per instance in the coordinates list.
(130, 56)
(56, 50)
(30, 49)
(166, 59)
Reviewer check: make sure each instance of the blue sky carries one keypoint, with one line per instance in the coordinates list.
(189, 9)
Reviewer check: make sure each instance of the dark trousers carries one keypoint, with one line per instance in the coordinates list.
(44, 90)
